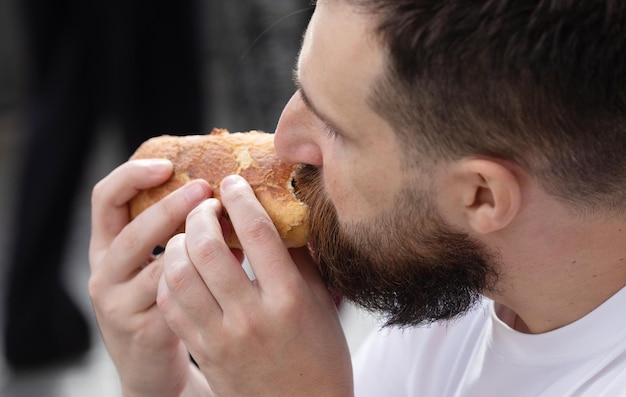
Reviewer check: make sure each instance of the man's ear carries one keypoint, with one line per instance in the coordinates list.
(489, 192)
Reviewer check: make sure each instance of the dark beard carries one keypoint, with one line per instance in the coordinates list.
(407, 264)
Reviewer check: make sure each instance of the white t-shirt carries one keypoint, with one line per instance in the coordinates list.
(479, 355)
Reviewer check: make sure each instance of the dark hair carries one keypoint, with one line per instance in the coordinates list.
(541, 83)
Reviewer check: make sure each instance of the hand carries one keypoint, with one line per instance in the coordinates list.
(149, 357)
(279, 335)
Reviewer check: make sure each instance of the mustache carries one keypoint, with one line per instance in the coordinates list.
(306, 180)
(308, 184)
(309, 188)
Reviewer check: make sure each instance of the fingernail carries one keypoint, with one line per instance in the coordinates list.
(231, 181)
(157, 165)
(195, 192)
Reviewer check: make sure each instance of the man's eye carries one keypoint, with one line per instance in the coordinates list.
(329, 131)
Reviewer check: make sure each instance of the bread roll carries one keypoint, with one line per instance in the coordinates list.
(213, 157)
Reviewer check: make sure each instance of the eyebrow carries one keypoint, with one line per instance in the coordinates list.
(310, 106)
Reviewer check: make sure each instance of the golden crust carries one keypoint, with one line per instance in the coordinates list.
(214, 156)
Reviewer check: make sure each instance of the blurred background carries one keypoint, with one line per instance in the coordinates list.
(81, 85)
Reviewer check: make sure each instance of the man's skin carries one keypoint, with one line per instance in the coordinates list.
(280, 334)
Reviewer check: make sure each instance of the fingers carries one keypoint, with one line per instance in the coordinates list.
(182, 297)
(219, 268)
(155, 224)
(109, 197)
(126, 246)
(202, 272)
(264, 248)
(272, 263)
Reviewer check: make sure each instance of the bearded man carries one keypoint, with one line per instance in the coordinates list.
(464, 164)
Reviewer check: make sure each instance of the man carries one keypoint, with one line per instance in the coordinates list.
(465, 162)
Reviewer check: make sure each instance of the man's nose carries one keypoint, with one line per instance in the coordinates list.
(295, 134)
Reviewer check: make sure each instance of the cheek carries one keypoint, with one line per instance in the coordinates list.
(363, 173)
(359, 192)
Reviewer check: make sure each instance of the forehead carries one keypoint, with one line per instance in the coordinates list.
(340, 59)
(342, 31)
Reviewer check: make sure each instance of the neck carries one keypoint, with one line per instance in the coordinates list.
(562, 272)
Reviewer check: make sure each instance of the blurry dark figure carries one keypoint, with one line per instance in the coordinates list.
(137, 62)
(257, 41)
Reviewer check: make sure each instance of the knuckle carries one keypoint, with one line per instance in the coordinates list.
(257, 229)
(177, 277)
(208, 249)
(94, 288)
(287, 308)
(109, 309)
(143, 333)
(97, 192)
